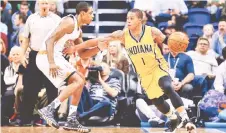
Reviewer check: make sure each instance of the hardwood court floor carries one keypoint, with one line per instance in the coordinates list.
(100, 130)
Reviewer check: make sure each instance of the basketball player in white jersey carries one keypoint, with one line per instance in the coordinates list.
(59, 71)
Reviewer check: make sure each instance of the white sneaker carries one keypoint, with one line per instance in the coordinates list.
(156, 121)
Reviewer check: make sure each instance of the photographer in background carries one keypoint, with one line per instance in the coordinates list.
(102, 95)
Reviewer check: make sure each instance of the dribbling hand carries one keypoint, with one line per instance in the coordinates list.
(53, 70)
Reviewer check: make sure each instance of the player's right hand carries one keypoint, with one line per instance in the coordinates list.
(69, 50)
(53, 70)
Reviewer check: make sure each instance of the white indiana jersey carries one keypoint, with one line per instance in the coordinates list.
(60, 44)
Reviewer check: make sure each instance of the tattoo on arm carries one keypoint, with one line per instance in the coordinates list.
(157, 35)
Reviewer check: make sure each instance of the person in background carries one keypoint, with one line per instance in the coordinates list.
(20, 21)
(115, 58)
(204, 65)
(208, 31)
(165, 49)
(53, 8)
(181, 70)
(220, 81)
(219, 40)
(6, 11)
(24, 9)
(4, 64)
(10, 79)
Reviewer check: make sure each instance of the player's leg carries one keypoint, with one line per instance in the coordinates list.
(72, 122)
(155, 93)
(48, 112)
(165, 84)
(66, 73)
(164, 108)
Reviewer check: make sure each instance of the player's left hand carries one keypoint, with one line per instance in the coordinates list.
(69, 50)
(53, 70)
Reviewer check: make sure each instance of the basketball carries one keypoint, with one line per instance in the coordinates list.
(178, 42)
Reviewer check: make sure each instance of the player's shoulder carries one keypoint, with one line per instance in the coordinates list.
(154, 29)
(70, 19)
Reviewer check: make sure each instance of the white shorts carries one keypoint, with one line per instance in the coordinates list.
(66, 69)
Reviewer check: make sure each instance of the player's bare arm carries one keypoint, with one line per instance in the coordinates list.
(117, 35)
(84, 53)
(158, 36)
(91, 47)
(65, 27)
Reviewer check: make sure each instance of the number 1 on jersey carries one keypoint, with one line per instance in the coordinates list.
(143, 61)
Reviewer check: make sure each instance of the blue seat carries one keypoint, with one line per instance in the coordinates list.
(199, 16)
(192, 43)
(193, 29)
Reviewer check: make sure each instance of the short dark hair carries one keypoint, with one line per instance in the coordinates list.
(24, 3)
(82, 6)
(203, 38)
(23, 17)
(138, 12)
(224, 52)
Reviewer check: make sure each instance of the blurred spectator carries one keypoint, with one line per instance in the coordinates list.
(115, 58)
(3, 46)
(4, 64)
(181, 69)
(204, 64)
(174, 7)
(220, 81)
(219, 40)
(168, 30)
(15, 56)
(144, 5)
(196, 4)
(17, 38)
(165, 49)
(205, 67)
(59, 5)
(213, 6)
(223, 12)
(174, 12)
(102, 95)
(10, 78)
(53, 8)
(6, 11)
(4, 40)
(208, 31)
(3, 28)
(24, 9)
(147, 20)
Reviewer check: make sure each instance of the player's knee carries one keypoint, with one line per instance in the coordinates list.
(77, 80)
(166, 84)
(158, 101)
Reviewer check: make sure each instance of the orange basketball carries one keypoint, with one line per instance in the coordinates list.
(178, 42)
